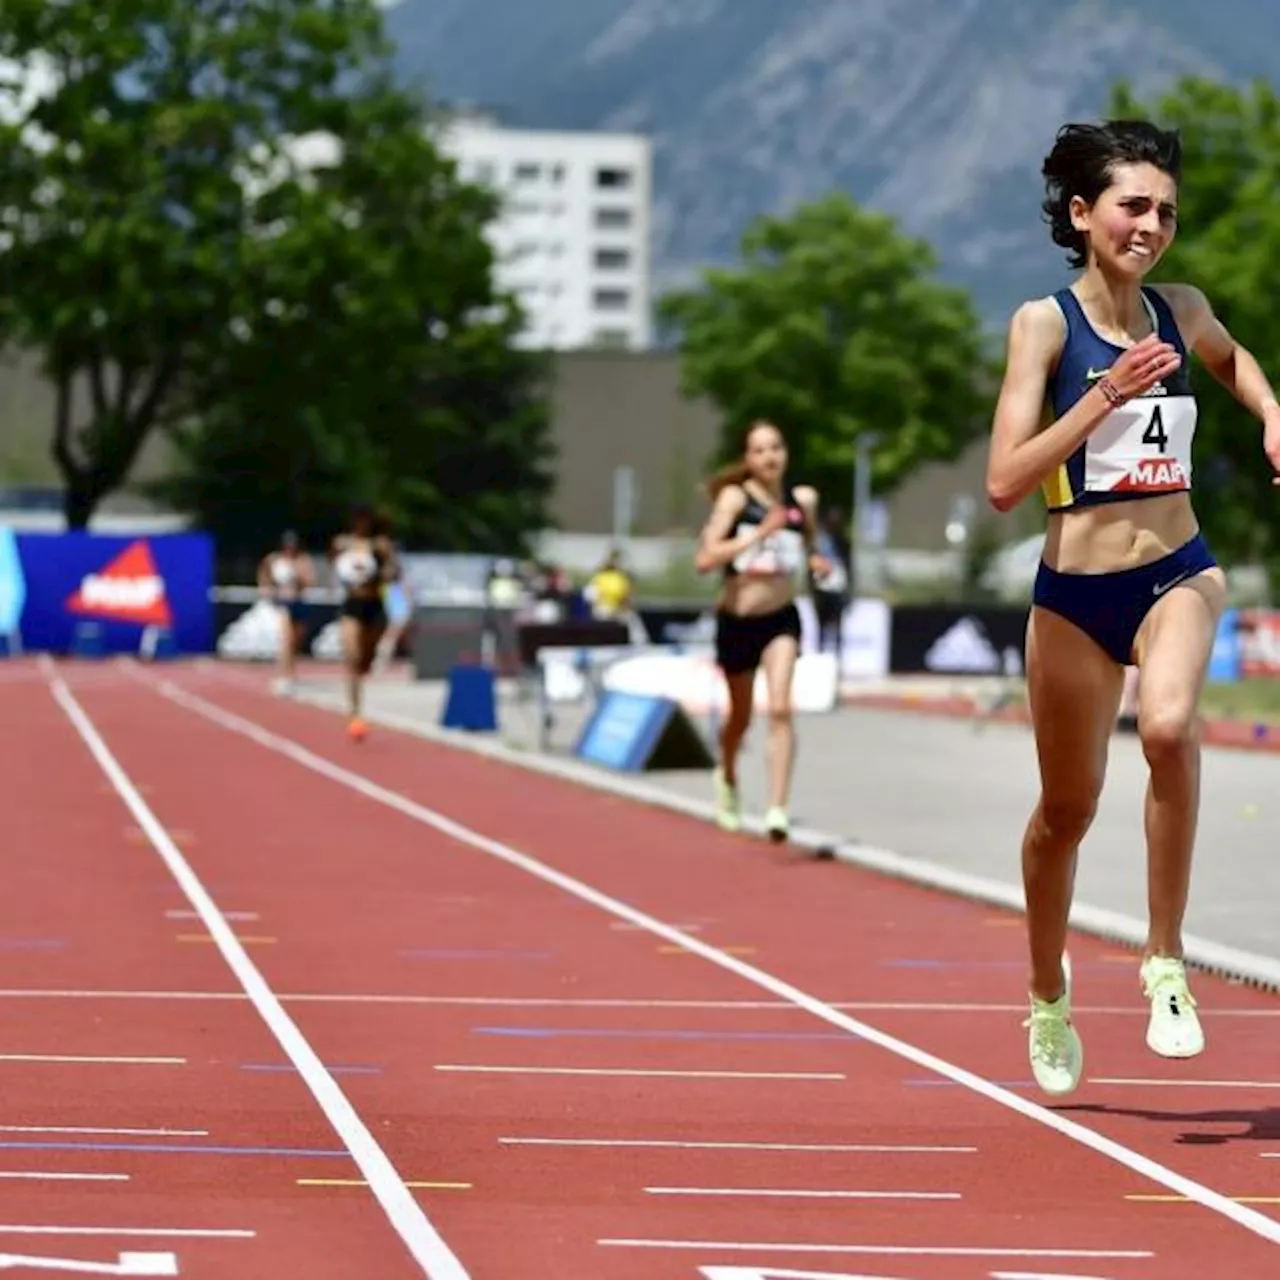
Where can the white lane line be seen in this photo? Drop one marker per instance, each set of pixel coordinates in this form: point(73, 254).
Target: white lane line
point(250, 916)
point(122, 1133)
point(640, 1071)
point(1187, 1084)
point(781, 1194)
point(849, 1148)
point(32, 993)
point(602, 1002)
point(40, 1176)
point(894, 1250)
point(405, 1214)
point(1252, 1220)
point(97, 1060)
point(175, 1233)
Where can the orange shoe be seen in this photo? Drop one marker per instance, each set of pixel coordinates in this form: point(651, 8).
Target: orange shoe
point(357, 730)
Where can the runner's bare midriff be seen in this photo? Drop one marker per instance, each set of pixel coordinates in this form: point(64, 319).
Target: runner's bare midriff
point(1119, 535)
point(750, 596)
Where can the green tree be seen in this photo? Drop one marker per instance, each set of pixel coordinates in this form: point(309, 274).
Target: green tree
point(834, 328)
point(131, 132)
point(1228, 244)
point(372, 361)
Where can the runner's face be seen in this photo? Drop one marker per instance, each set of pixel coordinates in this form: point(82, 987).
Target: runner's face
point(1132, 222)
point(766, 453)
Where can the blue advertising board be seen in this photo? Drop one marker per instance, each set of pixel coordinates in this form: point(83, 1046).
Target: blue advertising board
point(1225, 662)
point(116, 587)
point(624, 731)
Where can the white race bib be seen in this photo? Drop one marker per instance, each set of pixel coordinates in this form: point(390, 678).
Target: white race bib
point(782, 553)
point(1144, 446)
point(355, 567)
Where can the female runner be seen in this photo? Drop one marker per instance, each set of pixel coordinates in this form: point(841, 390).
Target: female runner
point(761, 534)
point(283, 575)
point(364, 560)
point(1126, 576)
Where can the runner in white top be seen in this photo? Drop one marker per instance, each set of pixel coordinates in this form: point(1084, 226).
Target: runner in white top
point(283, 577)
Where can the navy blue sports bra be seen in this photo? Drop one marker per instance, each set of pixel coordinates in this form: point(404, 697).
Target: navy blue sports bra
point(1143, 448)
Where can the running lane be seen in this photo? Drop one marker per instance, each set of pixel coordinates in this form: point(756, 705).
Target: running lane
point(644, 1139)
point(128, 1122)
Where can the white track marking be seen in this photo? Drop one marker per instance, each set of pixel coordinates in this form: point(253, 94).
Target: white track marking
point(92, 1060)
point(166, 1233)
point(121, 1133)
point(1266, 1227)
point(841, 1147)
point(639, 1071)
point(34, 1175)
point(602, 1002)
point(891, 1250)
point(768, 1273)
point(405, 1214)
point(1186, 1084)
point(789, 1194)
point(127, 1264)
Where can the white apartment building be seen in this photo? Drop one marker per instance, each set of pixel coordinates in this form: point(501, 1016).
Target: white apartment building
point(572, 240)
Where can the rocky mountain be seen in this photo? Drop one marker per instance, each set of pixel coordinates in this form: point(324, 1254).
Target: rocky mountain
point(935, 111)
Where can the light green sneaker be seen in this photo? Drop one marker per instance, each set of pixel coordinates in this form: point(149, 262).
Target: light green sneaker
point(1174, 1030)
point(728, 812)
point(777, 824)
point(1054, 1045)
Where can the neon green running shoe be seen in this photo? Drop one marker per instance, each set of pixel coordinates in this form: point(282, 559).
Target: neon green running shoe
point(1174, 1030)
point(1054, 1045)
point(728, 813)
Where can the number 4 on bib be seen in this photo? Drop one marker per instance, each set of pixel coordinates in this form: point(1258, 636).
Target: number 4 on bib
point(1155, 432)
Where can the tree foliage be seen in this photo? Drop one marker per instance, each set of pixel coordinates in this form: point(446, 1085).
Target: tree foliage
point(1228, 244)
point(224, 222)
point(834, 328)
point(373, 363)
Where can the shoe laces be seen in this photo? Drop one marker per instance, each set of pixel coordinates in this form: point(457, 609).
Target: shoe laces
point(1166, 982)
point(1051, 1041)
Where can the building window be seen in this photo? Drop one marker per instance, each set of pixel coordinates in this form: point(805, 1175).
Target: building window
point(613, 259)
point(528, 172)
point(613, 219)
point(612, 299)
point(557, 174)
point(615, 179)
point(485, 172)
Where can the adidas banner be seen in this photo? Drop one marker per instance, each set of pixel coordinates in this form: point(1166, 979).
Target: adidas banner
point(106, 593)
point(947, 640)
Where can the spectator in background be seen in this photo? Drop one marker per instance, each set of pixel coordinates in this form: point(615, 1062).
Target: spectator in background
point(833, 592)
point(397, 602)
point(609, 591)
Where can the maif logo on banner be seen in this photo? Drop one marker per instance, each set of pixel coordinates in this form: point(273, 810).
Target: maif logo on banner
point(127, 589)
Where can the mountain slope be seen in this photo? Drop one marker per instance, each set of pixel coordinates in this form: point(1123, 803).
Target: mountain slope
point(935, 111)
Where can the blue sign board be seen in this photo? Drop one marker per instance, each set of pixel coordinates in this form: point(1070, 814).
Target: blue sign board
point(63, 586)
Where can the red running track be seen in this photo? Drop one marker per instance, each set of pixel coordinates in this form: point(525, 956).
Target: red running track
point(482, 1046)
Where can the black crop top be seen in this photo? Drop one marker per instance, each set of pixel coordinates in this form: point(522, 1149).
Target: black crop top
point(784, 552)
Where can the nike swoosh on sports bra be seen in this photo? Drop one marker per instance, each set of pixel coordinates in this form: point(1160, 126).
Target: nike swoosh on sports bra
point(1141, 449)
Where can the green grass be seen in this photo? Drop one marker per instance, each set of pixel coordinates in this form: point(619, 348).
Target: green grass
point(1254, 698)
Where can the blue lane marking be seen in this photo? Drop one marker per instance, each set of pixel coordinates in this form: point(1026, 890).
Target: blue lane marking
point(285, 1066)
point(459, 953)
point(548, 1033)
point(153, 1147)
